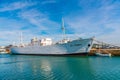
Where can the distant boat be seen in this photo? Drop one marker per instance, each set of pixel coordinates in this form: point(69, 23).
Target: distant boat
point(3, 52)
point(101, 54)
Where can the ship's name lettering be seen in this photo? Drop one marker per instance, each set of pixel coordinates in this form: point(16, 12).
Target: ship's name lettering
point(75, 45)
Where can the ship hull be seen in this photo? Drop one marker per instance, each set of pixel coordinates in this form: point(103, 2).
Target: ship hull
point(72, 54)
point(75, 47)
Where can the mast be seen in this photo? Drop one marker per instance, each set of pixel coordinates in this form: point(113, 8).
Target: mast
point(21, 38)
point(63, 29)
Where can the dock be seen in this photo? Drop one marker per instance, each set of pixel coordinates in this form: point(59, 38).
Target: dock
point(104, 48)
point(114, 52)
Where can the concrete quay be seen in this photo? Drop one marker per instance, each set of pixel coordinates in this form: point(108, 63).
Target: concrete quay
point(114, 52)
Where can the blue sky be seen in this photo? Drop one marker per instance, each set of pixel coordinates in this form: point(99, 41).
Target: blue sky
point(39, 18)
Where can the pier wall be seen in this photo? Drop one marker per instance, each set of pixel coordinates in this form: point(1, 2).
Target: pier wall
point(114, 52)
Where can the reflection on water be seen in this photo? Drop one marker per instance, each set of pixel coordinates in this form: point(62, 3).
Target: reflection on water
point(25, 67)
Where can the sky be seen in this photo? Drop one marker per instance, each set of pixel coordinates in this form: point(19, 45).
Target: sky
point(43, 18)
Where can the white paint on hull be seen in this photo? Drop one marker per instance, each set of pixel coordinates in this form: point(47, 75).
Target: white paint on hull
point(73, 47)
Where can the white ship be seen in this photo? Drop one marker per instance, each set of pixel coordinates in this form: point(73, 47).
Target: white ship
point(46, 46)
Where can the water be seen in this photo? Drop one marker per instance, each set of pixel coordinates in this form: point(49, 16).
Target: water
point(23, 67)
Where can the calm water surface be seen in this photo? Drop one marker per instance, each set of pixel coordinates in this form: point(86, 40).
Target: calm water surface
point(23, 67)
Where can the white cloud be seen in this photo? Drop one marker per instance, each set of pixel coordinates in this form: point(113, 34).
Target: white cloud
point(96, 22)
point(10, 36)
point(33, 16)
point(15, 6)
point(10, 24)
point(100, 22)
point(10, 28)
point(39, 20)
point(48, 2)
